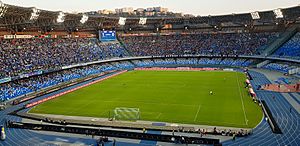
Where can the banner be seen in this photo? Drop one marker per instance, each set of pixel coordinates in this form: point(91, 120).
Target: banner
point(30, 74)
point(18, 36)
point(294, 71)
point(168, 26)
point(4, 80)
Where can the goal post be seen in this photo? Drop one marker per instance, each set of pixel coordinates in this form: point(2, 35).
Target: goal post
point(124, 113)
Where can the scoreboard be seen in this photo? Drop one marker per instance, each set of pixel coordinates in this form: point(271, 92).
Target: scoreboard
point(107, 35)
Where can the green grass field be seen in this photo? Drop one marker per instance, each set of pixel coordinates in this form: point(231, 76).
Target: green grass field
point(165, 96)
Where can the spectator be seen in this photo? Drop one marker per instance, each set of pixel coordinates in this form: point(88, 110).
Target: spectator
point(198, 43)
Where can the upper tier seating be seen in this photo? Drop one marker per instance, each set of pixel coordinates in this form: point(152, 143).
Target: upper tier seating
point(18, 56)
point(215, 44)
point(291, 49)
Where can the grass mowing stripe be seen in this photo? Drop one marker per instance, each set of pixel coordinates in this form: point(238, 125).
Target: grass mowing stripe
point(146, 102)
point(164, 96)
point(241, 97)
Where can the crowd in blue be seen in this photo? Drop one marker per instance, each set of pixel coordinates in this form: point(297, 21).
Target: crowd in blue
point(291, 49)
point(199, 43)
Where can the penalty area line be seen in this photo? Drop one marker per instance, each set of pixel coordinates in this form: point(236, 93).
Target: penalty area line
point(197, 113)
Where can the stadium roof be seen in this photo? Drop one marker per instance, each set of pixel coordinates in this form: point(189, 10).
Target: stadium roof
point(16, 18)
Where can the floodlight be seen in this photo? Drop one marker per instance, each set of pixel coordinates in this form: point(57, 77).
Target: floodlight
point(35, 14)
point(60, 17)
point(84, 18)
point(122, 21)
point(278, 13)
point(255, 15)
point(143, 21)
point(3, 9)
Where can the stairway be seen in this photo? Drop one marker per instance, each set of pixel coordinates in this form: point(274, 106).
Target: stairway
point(123, 45)
point(277, 43)
point(261, 64)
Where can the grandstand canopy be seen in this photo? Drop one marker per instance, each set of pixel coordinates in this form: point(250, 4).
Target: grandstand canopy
point(14, 18)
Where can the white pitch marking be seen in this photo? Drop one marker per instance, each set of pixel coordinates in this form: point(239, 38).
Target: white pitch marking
point(158, 115)
point(197, 113)
point(237, 80)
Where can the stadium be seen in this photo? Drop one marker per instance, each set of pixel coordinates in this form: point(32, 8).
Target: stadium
point(150, 77)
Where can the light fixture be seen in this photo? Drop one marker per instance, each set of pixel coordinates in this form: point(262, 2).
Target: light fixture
point(84, 18)
point(143, 21)
point(3, 9)
point(278, 13)
point(255, 15)
point(60, 17)
point(35, 14)
point(122, 21)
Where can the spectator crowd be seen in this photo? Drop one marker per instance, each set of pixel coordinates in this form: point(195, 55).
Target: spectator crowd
point(24, 86)
point(19, 56)
point(204, 43)
point(291, 49)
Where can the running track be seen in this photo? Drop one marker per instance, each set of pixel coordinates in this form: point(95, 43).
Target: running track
point(289, 122)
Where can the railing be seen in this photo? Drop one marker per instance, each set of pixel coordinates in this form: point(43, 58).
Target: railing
point(113, 133)
point(275, 128)
point(259, 65)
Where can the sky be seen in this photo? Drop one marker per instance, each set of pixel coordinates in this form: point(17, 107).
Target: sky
point(195, 7)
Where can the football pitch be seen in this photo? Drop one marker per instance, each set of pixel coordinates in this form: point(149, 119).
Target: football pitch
point(165, 96)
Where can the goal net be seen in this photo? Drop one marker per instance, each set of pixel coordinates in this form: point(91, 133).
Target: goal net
point(123, 113)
